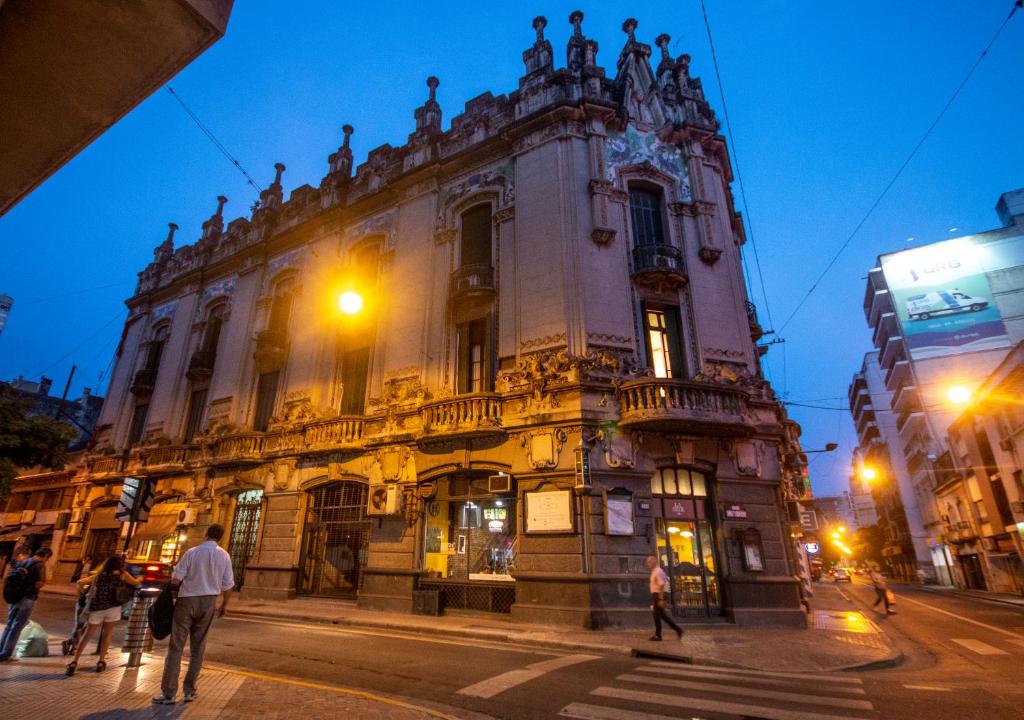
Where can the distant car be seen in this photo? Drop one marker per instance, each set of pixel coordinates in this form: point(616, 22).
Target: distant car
point(153, 574)
point(842, 575)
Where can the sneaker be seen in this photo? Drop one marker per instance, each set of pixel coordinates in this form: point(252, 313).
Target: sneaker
point(679, 632)
point(654, 638)
point(10, 660)
point(162, 699)
point(189, 696)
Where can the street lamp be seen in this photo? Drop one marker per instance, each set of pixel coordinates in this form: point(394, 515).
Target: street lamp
point(958, 394)
point(829, 447)
point(350, 302)
point(868, 473)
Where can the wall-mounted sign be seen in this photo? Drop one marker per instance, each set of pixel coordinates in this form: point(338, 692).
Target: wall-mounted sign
point(812, 547)
point(618, 513)
point(735, 511)
point(549, 512)
point(753, 550)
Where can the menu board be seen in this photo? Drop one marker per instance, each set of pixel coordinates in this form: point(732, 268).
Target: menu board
point(549, 512)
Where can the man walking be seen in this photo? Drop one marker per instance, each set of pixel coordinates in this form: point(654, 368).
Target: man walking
point(203, 573)
point(881, 589)
point(19, 611)
point(659, 591)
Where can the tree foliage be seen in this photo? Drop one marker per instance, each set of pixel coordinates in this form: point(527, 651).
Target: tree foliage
point(28, 440)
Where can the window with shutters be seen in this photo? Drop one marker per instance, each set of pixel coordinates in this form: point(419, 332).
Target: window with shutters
point(664, 344)
point(266, 396)
point(475, 356)
point(645, 211)
point(138, 423)
point(194, 417)
point(355, 366)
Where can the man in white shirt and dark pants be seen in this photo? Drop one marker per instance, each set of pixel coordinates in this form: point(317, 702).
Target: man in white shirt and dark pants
point(203, 573)
point(659, 593)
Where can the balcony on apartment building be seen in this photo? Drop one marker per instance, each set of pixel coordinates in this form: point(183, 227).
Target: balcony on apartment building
point(476, 280)
point(876, 297)
point(864, 419)
point(887, 328)
point(672, 405)
point(200, 366)
point(960, 532)
point(899, 374)
point(658, 265)
point(143, 382)
point(895, 349)
point(756, 330)
point(160, 458)
point(464, 416)
point(271, 349)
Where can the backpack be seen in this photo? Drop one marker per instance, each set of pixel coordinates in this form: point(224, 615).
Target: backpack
point(17, 584)
point(161, 614)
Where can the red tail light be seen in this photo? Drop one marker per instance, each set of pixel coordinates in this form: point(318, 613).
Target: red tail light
point(152, 568)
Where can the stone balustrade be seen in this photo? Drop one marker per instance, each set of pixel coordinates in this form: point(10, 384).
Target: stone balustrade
point(163, 456)
point(249, 446)
point(473, 414)
point(680, 405)
point(345, 430)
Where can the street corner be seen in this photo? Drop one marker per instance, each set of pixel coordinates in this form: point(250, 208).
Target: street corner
point(224, 694)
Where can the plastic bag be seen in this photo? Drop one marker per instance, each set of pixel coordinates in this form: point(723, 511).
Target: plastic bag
point(33, 641)
point(890, 596)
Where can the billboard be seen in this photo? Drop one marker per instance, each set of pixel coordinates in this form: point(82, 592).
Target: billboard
point(943, 299)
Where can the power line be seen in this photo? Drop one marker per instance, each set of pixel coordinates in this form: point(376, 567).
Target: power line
point(69, 294)
point(1017, 5)
point(213, 138)
point(83, 343)
point(736, 162)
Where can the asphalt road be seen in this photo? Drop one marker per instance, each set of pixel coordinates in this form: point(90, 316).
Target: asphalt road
point(963, 659)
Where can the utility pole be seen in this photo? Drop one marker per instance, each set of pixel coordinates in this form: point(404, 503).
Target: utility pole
point(64, 397)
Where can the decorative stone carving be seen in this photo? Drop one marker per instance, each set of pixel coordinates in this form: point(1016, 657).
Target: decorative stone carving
point(297, 411)
point(619, 450)
point(709, 254)
point(602, 235)
point(746, 457)
point(543, 447)
point(390, 465)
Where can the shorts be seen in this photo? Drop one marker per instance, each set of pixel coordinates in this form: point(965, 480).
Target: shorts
point(109, 615)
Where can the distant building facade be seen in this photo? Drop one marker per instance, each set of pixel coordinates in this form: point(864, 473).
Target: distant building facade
point(943, 317)
point(860, 495)
point(553, 376)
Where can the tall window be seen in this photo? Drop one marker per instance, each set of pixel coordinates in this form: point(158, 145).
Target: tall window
point(476, 237)
point(138, 424)
point(355, 365)
point(664, 346)
point(214, 325)
point(281, 309)
point(156, 347)
point(475, 357)
point(645, 215)
point(196, 408)
point(266, 395)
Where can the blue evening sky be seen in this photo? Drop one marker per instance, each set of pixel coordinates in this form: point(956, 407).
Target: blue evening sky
point(826, 100)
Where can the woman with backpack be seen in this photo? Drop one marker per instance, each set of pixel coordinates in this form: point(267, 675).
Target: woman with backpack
point(109, 589)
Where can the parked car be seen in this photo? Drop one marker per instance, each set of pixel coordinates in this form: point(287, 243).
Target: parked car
point(153, 574)
point(841, 575)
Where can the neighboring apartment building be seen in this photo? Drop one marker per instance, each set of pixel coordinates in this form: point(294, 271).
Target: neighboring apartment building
point(899, 515)
point(862, 502)
point(943, 316)
point(553, 375)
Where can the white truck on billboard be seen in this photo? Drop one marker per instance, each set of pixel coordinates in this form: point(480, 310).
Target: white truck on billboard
point(943, 302)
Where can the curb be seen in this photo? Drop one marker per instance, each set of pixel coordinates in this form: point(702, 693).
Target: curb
point(1001, 601)
point(497, 635)
point(894, 658)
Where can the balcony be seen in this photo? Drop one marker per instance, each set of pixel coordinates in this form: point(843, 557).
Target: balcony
point(756, 331)
point(887, 327)
point(143, 382)
point(898, 375)
point(472, 281)
point(960, 532)
point(329, 434)
point(271, 349)
point(659, 266)
point(105, 465)
point(473, 415)
point(200, 366)
point(682, 406)
point(239, 449)
point(164, 458)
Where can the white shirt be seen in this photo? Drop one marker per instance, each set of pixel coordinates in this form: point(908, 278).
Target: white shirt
point(659, 580)
point(204, 570)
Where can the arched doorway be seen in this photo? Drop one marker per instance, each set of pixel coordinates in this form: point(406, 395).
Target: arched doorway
point(335, 539)
point(245, 526)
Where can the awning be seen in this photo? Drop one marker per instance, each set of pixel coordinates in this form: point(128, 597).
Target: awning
point(29, 530)
point(157, 528)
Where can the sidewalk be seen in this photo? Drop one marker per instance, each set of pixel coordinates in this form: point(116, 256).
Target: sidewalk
point(999, 597)
point(839, 637)
point(37, 687)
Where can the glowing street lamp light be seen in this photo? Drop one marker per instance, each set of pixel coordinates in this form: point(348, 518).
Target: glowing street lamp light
point(958, 394)
point(350, 302)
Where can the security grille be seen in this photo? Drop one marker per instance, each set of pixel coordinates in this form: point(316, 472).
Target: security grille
point(244, 529)
point(475, 596)
point(335, 540)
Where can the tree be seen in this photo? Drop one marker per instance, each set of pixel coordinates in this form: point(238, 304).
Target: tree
point(868, 543)
point(28, 440)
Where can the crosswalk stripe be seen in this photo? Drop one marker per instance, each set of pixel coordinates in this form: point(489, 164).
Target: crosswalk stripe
point(583, 711)
point(759, 711)
point(751, 692)
point(727, 677)
point(500, 683)
point(930, 688)
point(763, 673)
point(978, 646)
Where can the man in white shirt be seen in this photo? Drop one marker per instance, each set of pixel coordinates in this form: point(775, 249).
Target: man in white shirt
point(659, 592)
point(203, 573)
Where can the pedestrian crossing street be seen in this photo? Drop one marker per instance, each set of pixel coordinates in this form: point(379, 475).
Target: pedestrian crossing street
point(663, 690)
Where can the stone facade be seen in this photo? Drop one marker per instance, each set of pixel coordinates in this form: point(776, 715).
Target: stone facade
point(555, 346)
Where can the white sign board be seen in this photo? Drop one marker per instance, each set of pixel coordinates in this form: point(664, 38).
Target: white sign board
point(619, 514)
point(549, 512)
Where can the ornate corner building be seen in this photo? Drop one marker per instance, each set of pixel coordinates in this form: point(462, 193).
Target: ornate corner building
point(553, 374)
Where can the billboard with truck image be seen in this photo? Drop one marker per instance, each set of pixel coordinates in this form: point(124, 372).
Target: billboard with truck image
point(942, 297)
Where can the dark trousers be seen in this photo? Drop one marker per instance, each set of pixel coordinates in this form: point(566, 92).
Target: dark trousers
point(660, 614)
point(192, 619)
point(883, 597)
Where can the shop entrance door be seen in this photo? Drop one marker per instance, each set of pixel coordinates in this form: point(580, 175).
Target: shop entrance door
point(973, 575)
point(102, 544)
point(335, 540)
point(244, 529)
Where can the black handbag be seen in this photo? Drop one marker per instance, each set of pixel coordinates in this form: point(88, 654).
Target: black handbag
point(123, 592)
point(161, 614)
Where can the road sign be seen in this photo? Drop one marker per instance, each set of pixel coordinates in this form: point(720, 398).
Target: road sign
point(136, 500)
point(812, 547)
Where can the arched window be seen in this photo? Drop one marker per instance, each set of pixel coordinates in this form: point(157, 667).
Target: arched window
point(281, 309)
point(214, 326)
point(156, 347)
point(476, 237)
point(645, 211)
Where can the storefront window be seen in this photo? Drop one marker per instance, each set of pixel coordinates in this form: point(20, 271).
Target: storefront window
point(685, 539)
point(470, 534)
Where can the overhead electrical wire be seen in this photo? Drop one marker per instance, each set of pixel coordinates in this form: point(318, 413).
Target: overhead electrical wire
point(736, 162)
point(69, 294)
point(885, 191)
point(73, 350)
point(213, 139)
